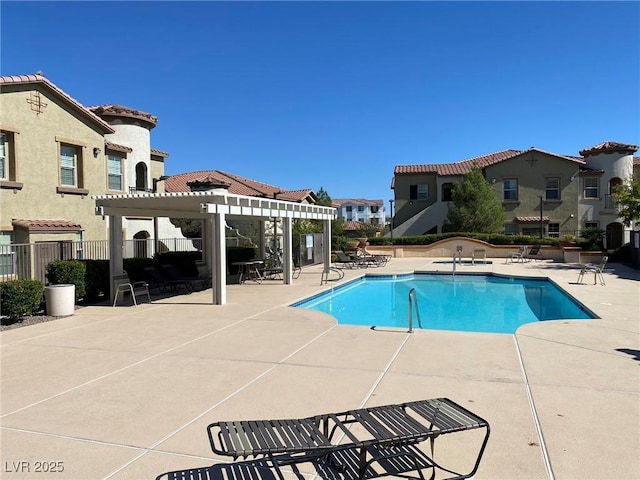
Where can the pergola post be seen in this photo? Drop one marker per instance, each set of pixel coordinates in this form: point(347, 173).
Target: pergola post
point(326, 240)
point(262, 238)
point(287, 256)
point(116, 266)
point(219, 254)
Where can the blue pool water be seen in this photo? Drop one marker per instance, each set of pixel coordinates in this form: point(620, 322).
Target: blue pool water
point(473, 303)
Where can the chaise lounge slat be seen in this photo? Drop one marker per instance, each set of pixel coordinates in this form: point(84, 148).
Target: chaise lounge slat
point(384, 435)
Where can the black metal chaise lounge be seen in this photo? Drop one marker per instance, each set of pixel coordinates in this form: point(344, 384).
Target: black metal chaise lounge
point(386, 437)
point(534, 253)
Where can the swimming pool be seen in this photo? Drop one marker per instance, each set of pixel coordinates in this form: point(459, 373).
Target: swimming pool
point(473, 303)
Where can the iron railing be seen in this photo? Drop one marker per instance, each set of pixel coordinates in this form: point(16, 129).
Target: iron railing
point(29, 260)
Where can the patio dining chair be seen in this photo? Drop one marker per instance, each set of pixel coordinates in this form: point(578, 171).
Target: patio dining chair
point(517, 256)
point(123, 285)
point(596, 269)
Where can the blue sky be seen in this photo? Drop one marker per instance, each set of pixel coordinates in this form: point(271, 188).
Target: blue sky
point(336, 94)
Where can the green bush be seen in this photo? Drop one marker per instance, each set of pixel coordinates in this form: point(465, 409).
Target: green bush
point(19, 298)
point(184, 262)
point(492, 238)
point(67, 272)
point(135, 268)
point(239, 254)
point(96, 278)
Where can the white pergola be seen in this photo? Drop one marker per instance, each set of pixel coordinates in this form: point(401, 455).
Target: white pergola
point(213, 207)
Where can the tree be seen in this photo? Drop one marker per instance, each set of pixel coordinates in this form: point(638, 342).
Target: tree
point(323, 198)
point(628, 196)
point(475, 206)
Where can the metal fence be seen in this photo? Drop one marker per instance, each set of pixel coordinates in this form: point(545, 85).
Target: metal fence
point(30, 260)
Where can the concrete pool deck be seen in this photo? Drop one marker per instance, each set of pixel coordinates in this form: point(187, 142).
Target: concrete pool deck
point(127, 392)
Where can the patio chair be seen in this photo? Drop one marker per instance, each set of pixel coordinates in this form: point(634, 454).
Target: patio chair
point(517, 256)
point(534, 253)
point(172, 274)
point(354, 440)
point(158, 280)
point(594, 268)
point(349, 261)
point(372, 258)
point(479, 255)
point(253, 470)
point(123, 285)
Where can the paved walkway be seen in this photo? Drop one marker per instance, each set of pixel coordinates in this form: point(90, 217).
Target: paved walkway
point(127, 392)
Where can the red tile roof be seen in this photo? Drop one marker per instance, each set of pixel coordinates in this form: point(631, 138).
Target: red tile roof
point(636, 160)
point(118, 148)
point(531, 219)
point(210, 181)
point(609, 147)
point(47, 225)
point(39, 78)
point(458, 168)
point(238, 185)
point(159, 153)
point(110, 111)
point(464, 166)
point(352, 225)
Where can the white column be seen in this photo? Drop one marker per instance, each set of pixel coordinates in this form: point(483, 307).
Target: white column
point(287, 255)
point(219, 253)
point(262, 238)
point(326, 245)
point(115, 251)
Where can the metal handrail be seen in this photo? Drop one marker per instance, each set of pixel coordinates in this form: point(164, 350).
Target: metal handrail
point(415, 297)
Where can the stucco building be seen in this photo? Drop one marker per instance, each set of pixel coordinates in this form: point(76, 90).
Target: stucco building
point(55, 154)
point(557, 193)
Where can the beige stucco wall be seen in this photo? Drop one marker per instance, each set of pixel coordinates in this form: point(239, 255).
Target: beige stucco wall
point(37, 161)
point(404, 207)
point(157, 170)
point(531, 184)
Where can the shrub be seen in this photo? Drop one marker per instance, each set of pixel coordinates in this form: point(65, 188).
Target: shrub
point(184, 262)
point(239, 254)
point(96, 278)
point(67, 272)
point(492, 238)
point(20, 297)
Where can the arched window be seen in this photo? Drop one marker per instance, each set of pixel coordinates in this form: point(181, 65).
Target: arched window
point(609, 200)
point(140, 241)
point(141, 177)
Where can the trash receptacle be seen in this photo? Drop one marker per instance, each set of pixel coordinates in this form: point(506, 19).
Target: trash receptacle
point(60, 299)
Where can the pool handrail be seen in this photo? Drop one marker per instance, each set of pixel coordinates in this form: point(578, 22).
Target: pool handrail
point(415, 297)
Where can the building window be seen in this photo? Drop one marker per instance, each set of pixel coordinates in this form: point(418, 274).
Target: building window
point(7, 256)
point(419, 192)
point(588, 225)
point(349, 208)
point(7, 156)
point(374, 209)
point(591, 187)
point(70, 166)
point(553, 230)
point(4, 159)
point(510, 229)
point(447, 192)
point(510, 189)
point(114, 172)
point(361, 208)
point(79, 245)
point(552, 188)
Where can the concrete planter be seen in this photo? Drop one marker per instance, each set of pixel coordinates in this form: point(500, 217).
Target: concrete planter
point(572, 254)
point(60, 299)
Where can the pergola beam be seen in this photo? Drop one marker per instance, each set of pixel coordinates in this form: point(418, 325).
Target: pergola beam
point(213, 206)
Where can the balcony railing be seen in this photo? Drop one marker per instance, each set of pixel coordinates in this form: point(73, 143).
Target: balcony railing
point(134, 190)
point(610, 203)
